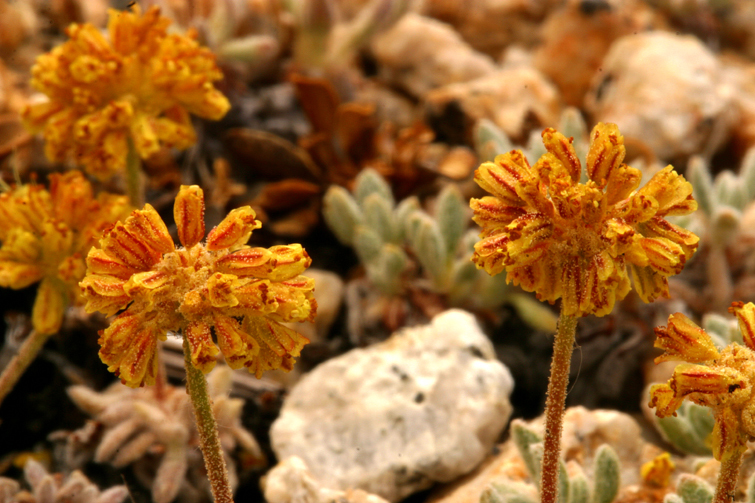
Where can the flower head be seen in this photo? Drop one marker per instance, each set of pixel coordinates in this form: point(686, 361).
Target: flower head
point(579, 241)
point(46, 235)
point(141, 85)
point(241, 294)
point(722, 380)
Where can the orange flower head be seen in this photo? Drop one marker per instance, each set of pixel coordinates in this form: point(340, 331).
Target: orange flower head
point(222, 286)
point(46, 235)
point(140, 86)
point(579, 241)
point(722, 380)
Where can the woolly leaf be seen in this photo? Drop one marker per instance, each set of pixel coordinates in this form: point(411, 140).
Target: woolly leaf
point(532, 312)
point(679, 431)
point(403, 214)
point(378, 215)
point(579, 490)
point(370, 182)
point(427, 243)
point(342, 214)
point(693, 489)
point(747, 173)
point(730, 190)
point(498, 492)
point(490, 140)
point(367, 244)
point(698, 175)
point(391, 265)
point(725, 225)
point(607, 475)
point(450, 212)
point(524, 438)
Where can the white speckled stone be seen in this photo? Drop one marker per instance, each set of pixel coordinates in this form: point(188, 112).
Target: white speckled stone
point(291, 482)
point(665, 90)
point(419, 54)
point(426, 405)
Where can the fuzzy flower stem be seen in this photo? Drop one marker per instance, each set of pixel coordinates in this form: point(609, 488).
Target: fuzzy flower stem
point(217, 472)
point(554, 406)
point(726, 487)
point(21, 361)
point(133, 177)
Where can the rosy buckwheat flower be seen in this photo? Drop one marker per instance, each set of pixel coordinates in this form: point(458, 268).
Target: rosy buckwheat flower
point(580, 241)
point(140, 86)
point(241, 294)
point(45, 236)
point(722, 380)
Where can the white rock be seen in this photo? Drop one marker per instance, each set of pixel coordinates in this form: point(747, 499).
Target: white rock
point(512, 98)
point(665, 90)
point(426, 405)
point(420, 53)
point(291, 482)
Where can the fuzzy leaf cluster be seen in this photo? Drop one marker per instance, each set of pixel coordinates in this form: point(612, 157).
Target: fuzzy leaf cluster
point(574, 486)
point(385, 235)
point(721, 201)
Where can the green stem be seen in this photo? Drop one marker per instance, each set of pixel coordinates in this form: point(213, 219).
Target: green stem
point(133, 176)
point(21, 361)
point(726, 487)
point(555, 405)
point(196, 387)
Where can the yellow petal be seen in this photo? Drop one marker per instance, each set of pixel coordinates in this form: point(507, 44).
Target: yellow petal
point(683, 340)
point(649, 284)
point(562, 149)
point(238, 347)
point(220, 289)
point(672, 192)
point(664, 400)
point(18, 275)
point(203, 350)
point(491, 213)
point(745, 313)
point(188, 212)
point(49, 307)
point(100, 262)
point(276, 264)
point(713, 387)
point(234, 230)
point(278, 344)
point(129, 348)
point(501, 177)
point(606, 154)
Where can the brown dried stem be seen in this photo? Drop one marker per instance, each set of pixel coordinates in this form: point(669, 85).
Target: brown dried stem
point(554, 406)
point(21, 361)
point(217, 472)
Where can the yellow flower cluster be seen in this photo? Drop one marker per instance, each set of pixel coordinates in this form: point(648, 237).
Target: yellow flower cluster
point(140, 86)
point(722, 380)
point(564, 239)
point(46, 235)
point(241, 293)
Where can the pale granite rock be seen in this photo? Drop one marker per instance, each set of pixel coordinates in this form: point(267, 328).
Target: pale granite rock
point(514, 98)
point(419, 54)
point(665, 90)
point(291, 482)
point(426, 405)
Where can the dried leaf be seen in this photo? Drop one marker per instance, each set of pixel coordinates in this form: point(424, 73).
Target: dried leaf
point(286, 194)
point(269, 156)
point(319, 100)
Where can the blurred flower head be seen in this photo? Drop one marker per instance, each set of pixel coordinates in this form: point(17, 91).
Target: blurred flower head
point(45, 236)
point(722, 380)
point(241, 293)
point(140, 86)
point(580, 241)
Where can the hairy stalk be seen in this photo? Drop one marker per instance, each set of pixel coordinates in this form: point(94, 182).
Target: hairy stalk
point(133, 176)
point(554, 406)
point(21, 361)
point(726, 487)
point(217, 472)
